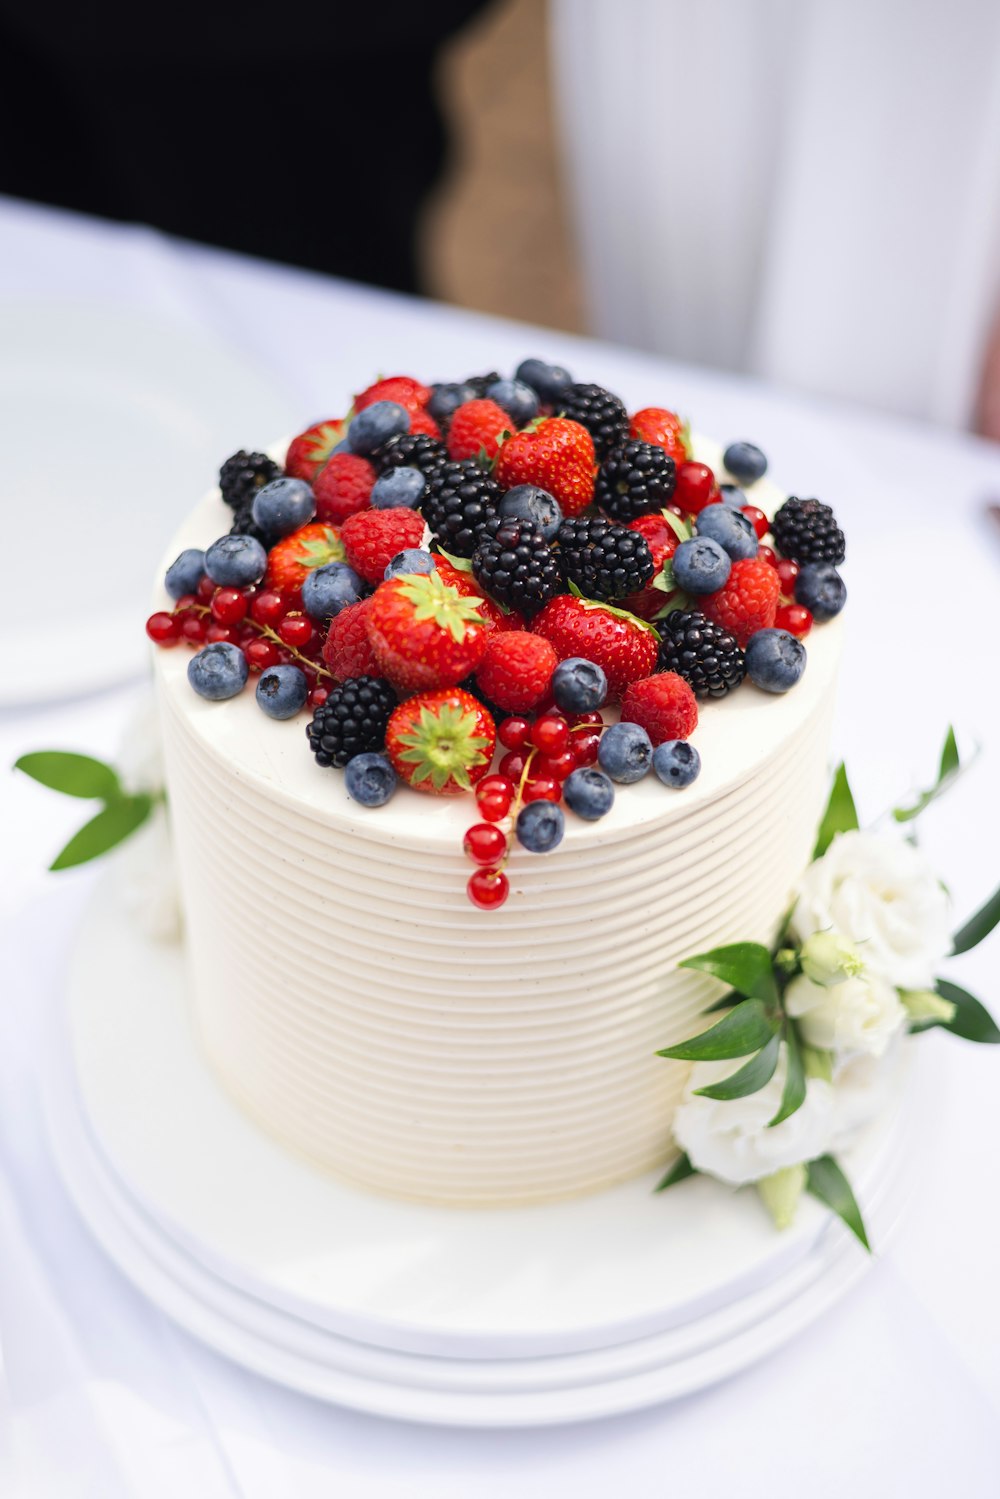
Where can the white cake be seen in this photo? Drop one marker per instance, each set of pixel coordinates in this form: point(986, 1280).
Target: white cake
point(366, 1015)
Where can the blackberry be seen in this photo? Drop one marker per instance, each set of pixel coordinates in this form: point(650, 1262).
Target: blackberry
point(352, 720)
point(605, 561)
point(635, 480)
point(460, 498)
point(807, 531)
point(481, 383)
point(603, 415)
point(410, 450)
point(516, 565)
point(704, 654)
point(245, 525)
point(243, 474)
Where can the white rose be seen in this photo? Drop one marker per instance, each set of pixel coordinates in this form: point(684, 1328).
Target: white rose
point(859, 1014)
point(862, 1087)
point(880, 893)
point(731, 1140)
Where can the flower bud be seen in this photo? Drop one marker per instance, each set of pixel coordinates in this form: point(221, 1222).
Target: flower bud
point(924, 1004)
point(780, 1193)
point(829, 959)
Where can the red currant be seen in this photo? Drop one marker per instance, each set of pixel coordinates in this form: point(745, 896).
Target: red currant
point(488, 888)
point(270, 606)
point(694, 487)
point(787, 571)
point(593, 719)
point(217, 632)
point(206, 588)
point(193, 629)
point(494, 795)
point(794, 618)
point(541, 789)
point(187, 601)
point(757, 519)
point(318, 696)
point(260, 654)
point(550, 734)
point(484, 843)
point(557, 767)
point(512, 765)
point(513, 733)
point(585, 747)
point(296, 630)
point(229, 606)
point(768, 555)
point(164, 628)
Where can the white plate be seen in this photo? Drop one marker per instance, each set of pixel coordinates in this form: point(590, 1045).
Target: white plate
point(111, 424)
point(512, 1317)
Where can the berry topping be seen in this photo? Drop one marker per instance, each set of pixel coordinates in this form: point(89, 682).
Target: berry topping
point(370, 779)
point(664, 428)
point(308, 452)
point(375, 425)
point(662, 539)
point(579, 686)
point(528, 502)
point(235, 561)
point(626, 752)
point(695, 487)
point(540, 826)
point(218, 672)
point(283, 506)
point(460, 498)
point(748, 601)
point(411, 450)
point(441, 742)
point(282, 691)
point(555, 454)
point(701, 565)
point(517, 566)
point(602, 413)
point(476, 430)
point(745, 462)
point(730, 528)
point(424, 632)
point(347, 650)
point(664, 705)
point(488, 888)
point(163, 628)
point(704, 654)
point(373, 537)
point(795, 619)
point(185, 573)
point(787, 571)
point(807, 531)
point(411, 560)
point(589, 793)
point(327, 590)
point(484, 843)
point(518, 400)
point(399, 488)
point(604, 560)
point(635, 479)
point(516, 671)
point(775, 660)
point(290, 562)
point(343, 487)
point(242, 475)
point(352, 721)
point(624, 647)
point(820, 589)
point(402, 389)
point(550, 381)
point(757, 519)
point(677, 763)
point(494, 796)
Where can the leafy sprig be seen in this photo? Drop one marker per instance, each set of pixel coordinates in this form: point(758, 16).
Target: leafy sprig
point(82, 776)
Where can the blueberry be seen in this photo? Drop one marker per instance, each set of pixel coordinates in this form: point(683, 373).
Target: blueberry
point(370, 779)
point(446, 399)
point(549, 380)
point(588, 792)
point(540, 826)
point(578, 685)
point(398, 489)
point(625, 752)
point(219, 671)
point(281, 507)
point(528, 502)
point(520, 401)
point(677, 763)
point(184, 575)
point(775, 660)
point(282, 691)
point(375, 425)
point(732, 494)
point(745, 462)
point(235, 561)
point(821, 589)
point(730, 528)
point(328, 589)
point(410, 560)
point(701, 565)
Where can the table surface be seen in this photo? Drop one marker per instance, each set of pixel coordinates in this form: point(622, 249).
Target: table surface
point(899, 1387)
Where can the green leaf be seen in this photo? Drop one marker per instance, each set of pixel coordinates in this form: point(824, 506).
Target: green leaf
point(971, 1020)
point(110, 827)
point(826, 1181)
point(979, 926)
point(948, 770)
point(750, 1078)
point(679, 1171)
point(745, 965)
point(74, 775)
point(725, 1003)
point(794, 1095)
point(841, 814)
point(676, 601)
point(664, 581)
point(460, 564)
point(744, 1030)
point(682, 529)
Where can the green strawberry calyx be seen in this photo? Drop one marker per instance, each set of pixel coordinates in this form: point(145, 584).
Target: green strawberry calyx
point(440, 602)
point(320, 550)
point(443, 745)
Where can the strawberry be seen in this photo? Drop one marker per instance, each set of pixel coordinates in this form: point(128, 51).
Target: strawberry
point(441, 742)
point(662, 540)
point(373, 537)
point(308, 452)
point(402, 389)
point(663, 705)
point(557, 455)
point(477, 427)
point(294, 556)
point(665, 428)
point(424, 633)
point(624, 646)
point(343, 486)
point(516, 670)
point(347, 650)
point(493, 616)
point(748, 601)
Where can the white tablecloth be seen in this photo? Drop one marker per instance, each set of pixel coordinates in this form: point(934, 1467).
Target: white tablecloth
point(898, 1389)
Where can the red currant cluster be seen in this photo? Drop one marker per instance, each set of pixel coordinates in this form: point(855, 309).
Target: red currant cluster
point(268, 624)
point(540, 754)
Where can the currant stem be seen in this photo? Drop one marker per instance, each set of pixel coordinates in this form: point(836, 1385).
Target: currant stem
point(268, 634)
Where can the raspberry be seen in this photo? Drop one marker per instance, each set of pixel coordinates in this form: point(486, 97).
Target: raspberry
point(477, 427)
point(663, 705)
point(372, 538)
point(347, 650)
point(516, 671)
point(342, 487)
point(748, 602)
point(422, 424)
point(402, 389)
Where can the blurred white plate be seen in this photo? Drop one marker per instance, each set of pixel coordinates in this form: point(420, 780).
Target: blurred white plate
point(112, 424)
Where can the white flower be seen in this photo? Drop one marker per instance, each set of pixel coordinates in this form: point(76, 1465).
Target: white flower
point(730, 1138)
point(147, 878)
point(859, 1014)
point(139, 761)
point(862, 1086)
point(880, 893)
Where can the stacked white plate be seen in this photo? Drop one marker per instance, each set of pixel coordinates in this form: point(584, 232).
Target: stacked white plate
point(482, 1317)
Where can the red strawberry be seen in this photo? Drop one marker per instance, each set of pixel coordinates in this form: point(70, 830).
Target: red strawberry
point(557, 455)
point(292, 558)
point(343, 486)
point(441, 742)
point(662, 539)
point(493, 616)
point(749, 600)
point(663, 705)
point(624, 646)
point(477, 427)
point(424, 633)
point(347, 650)
point(308, 452)
point(402, 389)
point(665, 428)
point(373, 537)
point(422, 421)
point(516, 670)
